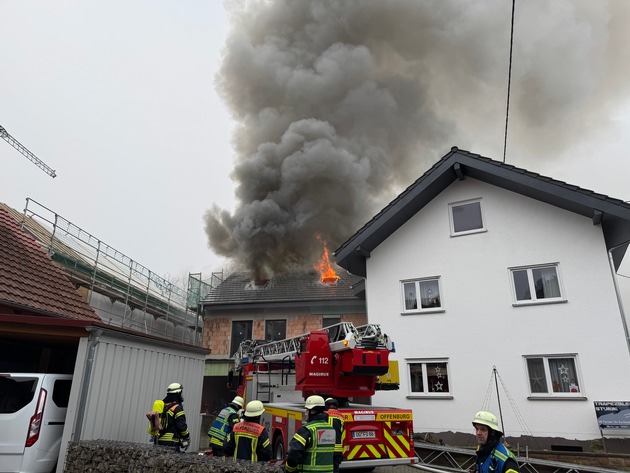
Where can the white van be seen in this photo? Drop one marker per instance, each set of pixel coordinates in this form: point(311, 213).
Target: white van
point(32, 415)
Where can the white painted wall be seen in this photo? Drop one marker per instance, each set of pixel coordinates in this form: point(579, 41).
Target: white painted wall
point(480, 328)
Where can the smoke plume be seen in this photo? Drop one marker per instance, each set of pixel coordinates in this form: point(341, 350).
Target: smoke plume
point(340, 104)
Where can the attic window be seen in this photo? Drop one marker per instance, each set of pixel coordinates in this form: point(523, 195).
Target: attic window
point(466, 217)
point(257, 284)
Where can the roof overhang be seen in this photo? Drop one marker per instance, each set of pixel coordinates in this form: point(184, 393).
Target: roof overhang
point(348, 305)
point(612, 214)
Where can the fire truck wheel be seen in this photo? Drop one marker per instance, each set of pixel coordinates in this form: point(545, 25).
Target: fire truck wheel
point(278, 448)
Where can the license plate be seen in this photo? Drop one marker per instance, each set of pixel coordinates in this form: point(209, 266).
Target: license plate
point(364, 434)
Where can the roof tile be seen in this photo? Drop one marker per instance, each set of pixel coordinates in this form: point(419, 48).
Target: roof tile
point(29, 279)
point(240, 288)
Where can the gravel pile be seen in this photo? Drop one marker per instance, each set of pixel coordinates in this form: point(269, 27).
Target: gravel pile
point(109, 456)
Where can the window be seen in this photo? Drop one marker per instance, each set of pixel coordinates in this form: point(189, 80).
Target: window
point(61, 392)
point(275, 330)
point(328, 320)
point(421, 295)
point(466, 218)
point(536, 284)
point(428, 377)
point(555, 375)
point(241, 330)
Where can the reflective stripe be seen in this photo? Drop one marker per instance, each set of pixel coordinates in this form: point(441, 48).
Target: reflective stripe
point(319, 456)
point(220, 427)
point(300, 439)
point(496, 460)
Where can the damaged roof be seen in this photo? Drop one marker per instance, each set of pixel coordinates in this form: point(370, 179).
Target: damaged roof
point(30, 282)
point(612, 214)
point(290, 289)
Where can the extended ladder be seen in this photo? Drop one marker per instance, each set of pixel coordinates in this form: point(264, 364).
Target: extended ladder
point(342, 336)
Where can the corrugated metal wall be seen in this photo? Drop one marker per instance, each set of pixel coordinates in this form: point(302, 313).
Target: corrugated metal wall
point(119, 375)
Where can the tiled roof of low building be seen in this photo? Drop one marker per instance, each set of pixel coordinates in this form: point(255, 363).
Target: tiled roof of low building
point(240, 288)
point(29, 279)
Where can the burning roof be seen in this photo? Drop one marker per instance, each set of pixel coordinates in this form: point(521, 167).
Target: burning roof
point(290, 287)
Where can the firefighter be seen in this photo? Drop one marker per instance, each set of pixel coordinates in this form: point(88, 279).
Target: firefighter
point(492, 455)
point(249, 440)
point(312, 447)
point(335, 418)
point(223, 425)
point(174, 432)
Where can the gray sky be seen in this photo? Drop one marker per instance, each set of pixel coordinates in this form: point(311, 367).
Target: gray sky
point(119, 98)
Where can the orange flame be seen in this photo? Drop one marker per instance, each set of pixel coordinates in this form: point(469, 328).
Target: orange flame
point(326, 271)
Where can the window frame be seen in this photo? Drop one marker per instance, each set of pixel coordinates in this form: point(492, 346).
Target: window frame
point(426, 394)
point(550, 394)
point(329, 320)
point(250, 326)
point(417, 282)
point(460, 204)
point(532, 289)
point(275, 321)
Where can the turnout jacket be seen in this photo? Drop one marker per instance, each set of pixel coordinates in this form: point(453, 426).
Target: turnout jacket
point(335, 418)
point(174, 428)
point(223, 425)
point(248, 441)
point(312, 447)
point(494, 457)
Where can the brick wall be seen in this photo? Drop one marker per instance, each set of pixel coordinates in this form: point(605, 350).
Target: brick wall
point(216, 335)
point(217, 331)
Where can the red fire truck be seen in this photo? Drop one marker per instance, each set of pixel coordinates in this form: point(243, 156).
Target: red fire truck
point(340, 361)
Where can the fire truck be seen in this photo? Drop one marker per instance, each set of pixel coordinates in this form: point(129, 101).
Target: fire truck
point(340, 361)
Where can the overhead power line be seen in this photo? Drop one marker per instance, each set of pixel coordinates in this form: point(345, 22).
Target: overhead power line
point(507, 108)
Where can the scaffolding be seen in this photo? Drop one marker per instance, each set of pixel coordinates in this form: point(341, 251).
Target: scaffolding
point(120, 290)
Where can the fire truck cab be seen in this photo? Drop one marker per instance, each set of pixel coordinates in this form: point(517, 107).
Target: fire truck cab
point(340, 361)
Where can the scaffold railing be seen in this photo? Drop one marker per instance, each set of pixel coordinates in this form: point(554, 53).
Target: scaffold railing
point(105, 271)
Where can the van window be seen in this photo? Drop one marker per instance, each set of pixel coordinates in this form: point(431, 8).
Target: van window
point(15, 394)
point(61, 392)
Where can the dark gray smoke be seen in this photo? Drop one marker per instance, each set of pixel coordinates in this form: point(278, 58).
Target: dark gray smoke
point(341, 104)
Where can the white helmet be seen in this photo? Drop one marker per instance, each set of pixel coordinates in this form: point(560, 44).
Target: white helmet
point(238, 400)
point(174, 388)
point(488, 419)
point(254, 409)
point(314, 401)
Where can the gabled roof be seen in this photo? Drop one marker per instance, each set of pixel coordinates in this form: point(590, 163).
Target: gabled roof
point(612, 214)
point(29, 280)
point(290, 289)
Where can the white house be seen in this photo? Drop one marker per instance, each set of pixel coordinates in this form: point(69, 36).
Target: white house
point(479, 264)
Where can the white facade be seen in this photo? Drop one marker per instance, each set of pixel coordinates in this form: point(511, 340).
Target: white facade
point(478, 325)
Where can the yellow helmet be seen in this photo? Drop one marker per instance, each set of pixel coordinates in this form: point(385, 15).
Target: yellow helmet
point(238, 400)
point(313, 401)
point(488, 419)
point(254, 408)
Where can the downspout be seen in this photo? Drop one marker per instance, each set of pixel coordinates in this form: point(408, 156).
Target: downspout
point(94, 339)
point(624, 323)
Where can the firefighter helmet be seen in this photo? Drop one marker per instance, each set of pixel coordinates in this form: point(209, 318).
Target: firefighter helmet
point(488, 419)
point(254, 408)
point(174, 388)
point(238, 400)
point(314, 401)
point(331, 402)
